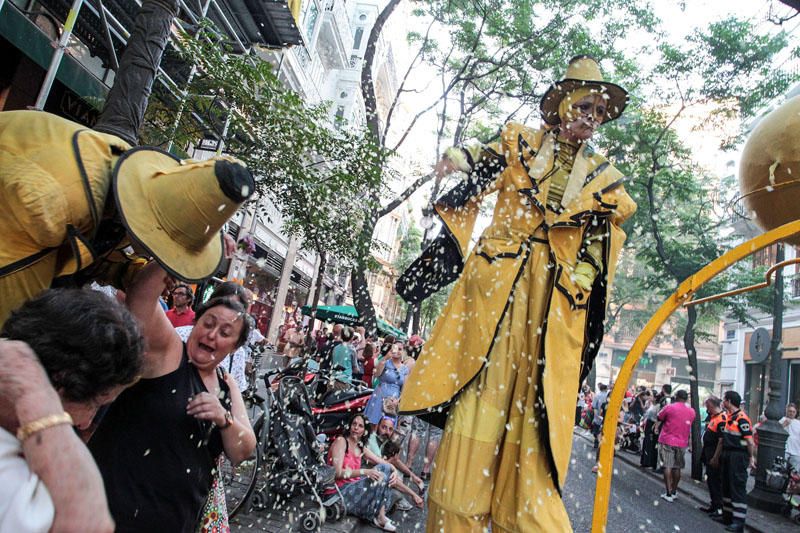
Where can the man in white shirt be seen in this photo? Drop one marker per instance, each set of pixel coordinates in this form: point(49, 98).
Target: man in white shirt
point(792, 426)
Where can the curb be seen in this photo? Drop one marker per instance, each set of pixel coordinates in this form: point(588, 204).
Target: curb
point(752, 524)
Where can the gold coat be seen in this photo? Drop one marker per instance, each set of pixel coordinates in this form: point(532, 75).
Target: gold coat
point(570, 322)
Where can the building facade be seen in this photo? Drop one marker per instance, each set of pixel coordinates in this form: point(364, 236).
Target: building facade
point(741, 371)
point(663, 362)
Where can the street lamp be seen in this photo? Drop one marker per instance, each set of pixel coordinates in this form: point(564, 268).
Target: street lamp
point(771, 435)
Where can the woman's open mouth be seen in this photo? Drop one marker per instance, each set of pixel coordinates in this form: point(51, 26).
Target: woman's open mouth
point(205, 347)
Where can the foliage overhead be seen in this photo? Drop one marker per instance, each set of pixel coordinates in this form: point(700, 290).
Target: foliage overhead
point(316, 174)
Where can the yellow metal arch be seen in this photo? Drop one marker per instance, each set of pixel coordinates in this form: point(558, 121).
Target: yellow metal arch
point(684, 293)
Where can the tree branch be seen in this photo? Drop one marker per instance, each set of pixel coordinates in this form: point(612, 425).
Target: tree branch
point(391, 206)
point(401, 89)
point(367, 83)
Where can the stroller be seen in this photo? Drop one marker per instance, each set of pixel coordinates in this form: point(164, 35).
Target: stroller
point(629, 436)
point(294, 476)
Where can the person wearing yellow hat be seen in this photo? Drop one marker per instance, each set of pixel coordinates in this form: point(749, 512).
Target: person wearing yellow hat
point(74, 199)
point(524, 322)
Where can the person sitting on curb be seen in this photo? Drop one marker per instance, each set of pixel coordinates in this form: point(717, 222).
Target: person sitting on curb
point(380, 443)
point(63, 354)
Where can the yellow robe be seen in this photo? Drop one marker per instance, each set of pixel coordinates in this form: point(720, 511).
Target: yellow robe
point(55, 176)
point(517, 334)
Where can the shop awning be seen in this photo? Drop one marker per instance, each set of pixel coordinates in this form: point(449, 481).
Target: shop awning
point(347, 315)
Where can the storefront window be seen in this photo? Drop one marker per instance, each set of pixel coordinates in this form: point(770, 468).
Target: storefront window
point(755, 381)
point(794, 382)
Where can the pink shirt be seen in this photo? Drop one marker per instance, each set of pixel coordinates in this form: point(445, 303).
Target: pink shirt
point(676, 424)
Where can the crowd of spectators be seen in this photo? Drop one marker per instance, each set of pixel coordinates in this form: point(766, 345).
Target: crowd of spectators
point(657, 426)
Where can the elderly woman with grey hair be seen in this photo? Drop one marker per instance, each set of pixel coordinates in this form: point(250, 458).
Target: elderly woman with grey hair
point(63, 354)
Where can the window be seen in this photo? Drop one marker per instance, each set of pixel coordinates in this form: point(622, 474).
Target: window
point(311, 18)
point(357, 39)
point(765, 257)
point(339, 120)
point(730, 334)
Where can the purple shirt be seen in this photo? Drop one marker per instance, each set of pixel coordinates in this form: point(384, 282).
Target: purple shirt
point(676, 424)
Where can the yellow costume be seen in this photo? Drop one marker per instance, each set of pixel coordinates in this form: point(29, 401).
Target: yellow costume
point(520, 330)
point(56, 178)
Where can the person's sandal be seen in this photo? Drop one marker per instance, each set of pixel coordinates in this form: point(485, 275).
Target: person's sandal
point(387, 526)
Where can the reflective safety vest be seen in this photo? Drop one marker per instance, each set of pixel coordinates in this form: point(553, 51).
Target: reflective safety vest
point(736, 431)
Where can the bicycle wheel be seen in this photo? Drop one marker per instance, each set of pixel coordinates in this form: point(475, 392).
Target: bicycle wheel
point(239, 481)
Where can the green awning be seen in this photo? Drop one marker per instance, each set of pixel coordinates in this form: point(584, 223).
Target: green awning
point(24, 35)
point(347, 315)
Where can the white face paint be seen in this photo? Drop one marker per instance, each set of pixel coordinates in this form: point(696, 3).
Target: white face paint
point(589, 113)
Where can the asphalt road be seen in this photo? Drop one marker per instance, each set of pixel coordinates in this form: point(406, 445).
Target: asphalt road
point(635, 502)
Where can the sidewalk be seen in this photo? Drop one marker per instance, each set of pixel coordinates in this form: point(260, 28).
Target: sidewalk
point(757, 521)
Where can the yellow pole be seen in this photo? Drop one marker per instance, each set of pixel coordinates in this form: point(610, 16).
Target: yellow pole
point(685, 291)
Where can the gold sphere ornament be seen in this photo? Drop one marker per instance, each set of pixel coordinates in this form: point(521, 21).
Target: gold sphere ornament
point(769, 173)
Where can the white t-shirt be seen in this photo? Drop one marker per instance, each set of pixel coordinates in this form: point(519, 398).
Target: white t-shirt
point(25, 503)
point(793, 442)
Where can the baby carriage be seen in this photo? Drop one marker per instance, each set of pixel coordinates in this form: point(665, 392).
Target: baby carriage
point(628, 436)
point(290, 475)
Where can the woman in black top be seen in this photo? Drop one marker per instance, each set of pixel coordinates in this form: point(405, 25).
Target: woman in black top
point(157, 445)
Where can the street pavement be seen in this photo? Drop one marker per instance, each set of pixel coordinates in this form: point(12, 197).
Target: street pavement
point(635, 502)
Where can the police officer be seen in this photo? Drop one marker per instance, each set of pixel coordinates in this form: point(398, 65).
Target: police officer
point(715, 422)
point(735, 451)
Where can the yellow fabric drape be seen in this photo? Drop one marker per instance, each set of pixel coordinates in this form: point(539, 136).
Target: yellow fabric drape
point(495, 433)
point(510, 344)
point(295, 7)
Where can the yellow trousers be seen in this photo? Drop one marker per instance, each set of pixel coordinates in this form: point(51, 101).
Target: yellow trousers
point(492, 465)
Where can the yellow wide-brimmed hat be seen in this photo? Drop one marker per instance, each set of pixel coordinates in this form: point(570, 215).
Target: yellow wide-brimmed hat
point(582, 71)
point(175, 209)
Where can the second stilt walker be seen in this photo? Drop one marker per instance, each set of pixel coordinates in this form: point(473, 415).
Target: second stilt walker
point(525, 319)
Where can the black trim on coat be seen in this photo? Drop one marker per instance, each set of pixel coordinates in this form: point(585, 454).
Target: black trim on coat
point(25, 262)
point(565, 291)
point(72, 236)
point(87, 187)
point(614, 185)
point(440, 264)
point(523, 148)
point(596, 312)
point(437, 415)
point(597, 196)
point(544, 423)
point(596, 172)
point(504, 255)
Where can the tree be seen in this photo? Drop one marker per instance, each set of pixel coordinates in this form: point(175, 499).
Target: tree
point(315, 174)
point(408, 251)
point(679, 226)
point(495, 59)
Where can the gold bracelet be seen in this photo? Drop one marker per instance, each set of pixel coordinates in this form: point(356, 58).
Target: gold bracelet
point(40, 424)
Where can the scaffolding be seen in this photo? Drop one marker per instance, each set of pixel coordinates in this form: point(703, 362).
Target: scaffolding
point(104, 26)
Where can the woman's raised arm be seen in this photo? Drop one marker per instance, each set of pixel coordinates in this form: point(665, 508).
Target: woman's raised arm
point(142, 300)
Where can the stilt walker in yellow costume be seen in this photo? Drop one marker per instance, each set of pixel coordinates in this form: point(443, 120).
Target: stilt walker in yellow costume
point(72, 200)
point(525, 319)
